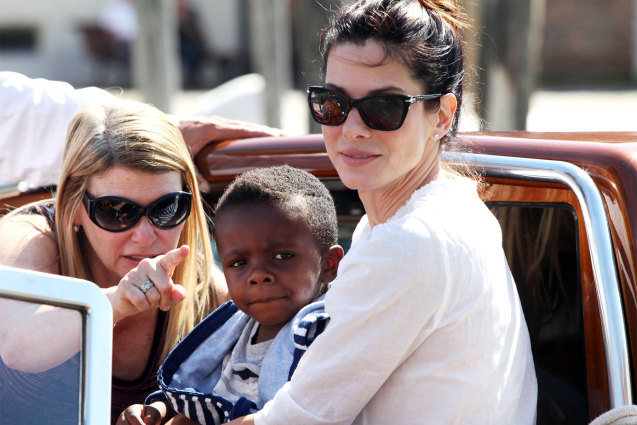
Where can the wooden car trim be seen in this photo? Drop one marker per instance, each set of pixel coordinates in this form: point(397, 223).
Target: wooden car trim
point(599, 244)
point(501, 191)
point(13, 199)
point(611, 161)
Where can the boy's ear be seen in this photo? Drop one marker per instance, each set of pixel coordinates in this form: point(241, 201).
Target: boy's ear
point(333, 257)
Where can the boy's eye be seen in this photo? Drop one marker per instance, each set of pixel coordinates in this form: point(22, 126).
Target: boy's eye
point(283, 256)
point(236, 263)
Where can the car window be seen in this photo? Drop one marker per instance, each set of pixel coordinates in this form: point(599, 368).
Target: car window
point(48, 397)
point(349, 210)
point(73, 391)
point(541, 245)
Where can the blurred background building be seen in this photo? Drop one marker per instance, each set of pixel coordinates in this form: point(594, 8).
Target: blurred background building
point(174, 52)
point(70, 40)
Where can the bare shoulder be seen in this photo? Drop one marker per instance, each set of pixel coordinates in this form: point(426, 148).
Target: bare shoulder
point(28, 242)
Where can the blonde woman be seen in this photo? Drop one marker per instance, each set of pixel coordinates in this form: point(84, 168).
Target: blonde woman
point(127, 216)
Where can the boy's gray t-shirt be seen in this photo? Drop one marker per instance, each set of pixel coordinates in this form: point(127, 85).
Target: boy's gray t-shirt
point(242, 366)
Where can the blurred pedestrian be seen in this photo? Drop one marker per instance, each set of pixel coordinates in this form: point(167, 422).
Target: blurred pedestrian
point(192, 46)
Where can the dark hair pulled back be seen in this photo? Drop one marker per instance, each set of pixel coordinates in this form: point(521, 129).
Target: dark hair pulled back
point(423, 34)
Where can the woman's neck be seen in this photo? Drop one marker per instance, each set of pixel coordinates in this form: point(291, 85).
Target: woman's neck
point(381, 204)
point(97, 272)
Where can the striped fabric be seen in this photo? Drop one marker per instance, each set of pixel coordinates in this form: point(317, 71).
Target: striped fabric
point(193, 368)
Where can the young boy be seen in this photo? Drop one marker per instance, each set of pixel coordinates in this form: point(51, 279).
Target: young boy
point(276, 232)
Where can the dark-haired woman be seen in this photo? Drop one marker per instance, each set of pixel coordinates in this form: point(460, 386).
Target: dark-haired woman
point(426, 326)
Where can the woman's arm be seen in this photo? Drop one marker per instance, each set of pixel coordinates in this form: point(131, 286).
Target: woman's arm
point(201, 131)
point(145, 414)
point(33, 124)
point(381, 308)
point(41, 109)
point(181, 420)
point(36, 337)
point(28, 244)
point(244, 420)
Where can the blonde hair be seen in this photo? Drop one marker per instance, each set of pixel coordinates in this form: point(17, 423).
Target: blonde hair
point(140, 137)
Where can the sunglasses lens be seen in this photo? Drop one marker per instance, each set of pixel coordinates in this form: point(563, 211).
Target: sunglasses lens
point(379, 112)
point(115, 215)
point(118, 214)
point(327, 107)
point(171, 210)
point(385, 112)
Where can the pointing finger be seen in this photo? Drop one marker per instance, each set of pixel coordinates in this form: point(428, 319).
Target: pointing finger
point(178, 293)
point(173, 258)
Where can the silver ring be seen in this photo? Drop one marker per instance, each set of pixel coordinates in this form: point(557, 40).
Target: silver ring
point(144, 287)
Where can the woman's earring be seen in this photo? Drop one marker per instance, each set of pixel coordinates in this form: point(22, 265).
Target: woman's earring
point(76, 228)
point(436, 136)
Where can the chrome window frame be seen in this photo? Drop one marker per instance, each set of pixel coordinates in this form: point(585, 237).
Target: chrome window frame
point(97, 338)
point(600, 246)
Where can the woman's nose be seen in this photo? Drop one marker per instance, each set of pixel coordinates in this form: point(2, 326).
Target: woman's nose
point(354, 127)
point(144, 232)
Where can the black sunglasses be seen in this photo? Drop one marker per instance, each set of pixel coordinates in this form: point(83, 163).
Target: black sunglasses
point(116, 214)
point(385, 112)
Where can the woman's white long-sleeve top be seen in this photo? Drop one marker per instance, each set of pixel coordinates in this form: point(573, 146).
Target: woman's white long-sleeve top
point(34, 116)
point(426, 325)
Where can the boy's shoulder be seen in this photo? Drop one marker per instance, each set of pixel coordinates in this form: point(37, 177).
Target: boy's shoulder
point(315, 307)
point(228, 315)
point(194, 366)
point(308, 324)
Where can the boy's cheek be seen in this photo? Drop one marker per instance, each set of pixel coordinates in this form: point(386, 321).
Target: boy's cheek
point(234, 287)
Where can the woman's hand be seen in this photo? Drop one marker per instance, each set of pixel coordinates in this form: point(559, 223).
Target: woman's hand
point(181, 420)
point(200, 131)
point(142, 414)
point(243, 420)
point(148, 286)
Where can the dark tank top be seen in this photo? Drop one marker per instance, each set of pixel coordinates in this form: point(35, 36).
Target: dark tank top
point(124, 393)
point(46, 210)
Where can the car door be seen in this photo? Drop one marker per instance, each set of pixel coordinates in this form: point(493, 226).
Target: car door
point(78, 391)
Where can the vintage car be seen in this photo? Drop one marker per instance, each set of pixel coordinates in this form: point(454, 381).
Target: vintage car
point(567, 208)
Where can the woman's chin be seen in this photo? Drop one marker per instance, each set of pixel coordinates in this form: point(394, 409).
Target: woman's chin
point(357, 180)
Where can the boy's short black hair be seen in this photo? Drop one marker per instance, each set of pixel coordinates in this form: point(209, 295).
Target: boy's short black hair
point(286, 188)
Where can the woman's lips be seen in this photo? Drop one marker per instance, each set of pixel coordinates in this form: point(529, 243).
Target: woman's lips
point(358, 158)
point(138, 257)
point(135, 259)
